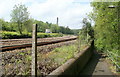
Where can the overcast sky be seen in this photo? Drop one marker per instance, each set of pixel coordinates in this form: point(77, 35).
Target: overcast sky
point(69, 12)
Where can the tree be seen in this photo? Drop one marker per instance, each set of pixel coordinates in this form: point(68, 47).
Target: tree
point(107, 28)
point(3, 24)
point(62, 30)
point(68, 30)
point(29, 24)
point(54, 28)
point(87, 30)
point(20, 15)
point(6, 26)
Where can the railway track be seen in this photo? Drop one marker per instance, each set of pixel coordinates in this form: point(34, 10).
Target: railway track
point(9, 42)
point(5, 48)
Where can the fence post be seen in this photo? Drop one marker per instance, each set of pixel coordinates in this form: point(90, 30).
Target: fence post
point(34, 51)
point(79, 43)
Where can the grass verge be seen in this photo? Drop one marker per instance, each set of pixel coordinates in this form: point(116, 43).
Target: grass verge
point(20, 64)
point(57, 57)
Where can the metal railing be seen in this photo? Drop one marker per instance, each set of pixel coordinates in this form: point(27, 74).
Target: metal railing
point(115, 58)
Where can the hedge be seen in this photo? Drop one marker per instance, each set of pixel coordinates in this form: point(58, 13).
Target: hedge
point(15, 35)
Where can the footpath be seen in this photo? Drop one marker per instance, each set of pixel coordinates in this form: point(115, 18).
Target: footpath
point(97, 67)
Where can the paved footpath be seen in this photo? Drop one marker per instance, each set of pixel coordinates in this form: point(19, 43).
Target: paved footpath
point(97, 66)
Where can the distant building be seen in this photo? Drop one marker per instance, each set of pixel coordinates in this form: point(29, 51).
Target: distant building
point(48, 31)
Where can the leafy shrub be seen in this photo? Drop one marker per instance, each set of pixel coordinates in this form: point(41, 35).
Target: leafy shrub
point(9, 35)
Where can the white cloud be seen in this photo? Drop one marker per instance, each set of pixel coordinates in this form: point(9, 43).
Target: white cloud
point(70, 12)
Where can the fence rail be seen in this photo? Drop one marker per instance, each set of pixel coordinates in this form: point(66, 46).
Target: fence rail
point(114, 58)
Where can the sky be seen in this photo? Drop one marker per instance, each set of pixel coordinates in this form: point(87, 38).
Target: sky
point(69, 12)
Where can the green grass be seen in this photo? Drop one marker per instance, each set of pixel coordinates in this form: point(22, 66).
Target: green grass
point(62, 54)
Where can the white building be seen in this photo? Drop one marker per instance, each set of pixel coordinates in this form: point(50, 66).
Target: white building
point(48, 31)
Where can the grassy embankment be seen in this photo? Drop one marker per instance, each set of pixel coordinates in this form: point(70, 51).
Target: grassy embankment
point(47, 62)
point(59, 56)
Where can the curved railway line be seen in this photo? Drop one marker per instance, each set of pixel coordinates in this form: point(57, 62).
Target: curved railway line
point(9, 42)
point(39, 43)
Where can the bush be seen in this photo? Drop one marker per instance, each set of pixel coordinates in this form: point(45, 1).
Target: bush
point(9, 35)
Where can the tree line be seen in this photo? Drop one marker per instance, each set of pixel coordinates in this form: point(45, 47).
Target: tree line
point(107, 28)
point(22, 23)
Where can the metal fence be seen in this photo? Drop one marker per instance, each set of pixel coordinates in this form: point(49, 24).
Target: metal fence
point(115, 58)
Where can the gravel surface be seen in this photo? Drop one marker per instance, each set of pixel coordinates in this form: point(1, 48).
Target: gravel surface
point(97, 66)
point(17, 62)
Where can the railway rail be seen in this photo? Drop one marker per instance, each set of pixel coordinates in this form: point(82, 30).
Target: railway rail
point(4, 48)
point(9, 42)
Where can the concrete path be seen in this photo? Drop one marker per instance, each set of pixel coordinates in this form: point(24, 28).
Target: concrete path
point(97, 66)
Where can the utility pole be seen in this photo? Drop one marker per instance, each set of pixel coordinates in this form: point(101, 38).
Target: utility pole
point(34, 51)
point(57, 21)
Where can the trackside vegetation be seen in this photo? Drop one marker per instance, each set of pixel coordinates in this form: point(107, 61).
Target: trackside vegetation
point(15, 35)
point(47, 62)
point(107, 29)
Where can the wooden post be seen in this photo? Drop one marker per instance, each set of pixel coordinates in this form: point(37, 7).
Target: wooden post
point(34, 51)
point(2, 67)
point(79, 43)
